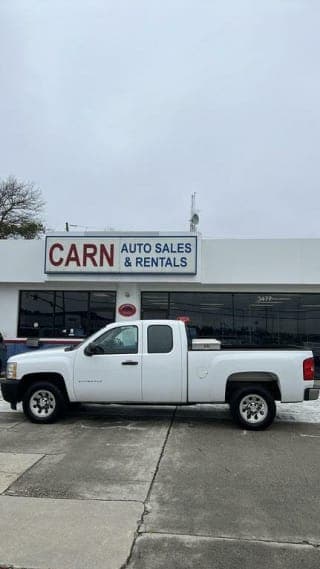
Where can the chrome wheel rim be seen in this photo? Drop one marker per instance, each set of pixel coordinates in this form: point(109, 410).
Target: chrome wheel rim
point(253, 408)
point(42, 403)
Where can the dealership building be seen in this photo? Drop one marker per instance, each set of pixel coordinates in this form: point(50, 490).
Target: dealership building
point(245, 292)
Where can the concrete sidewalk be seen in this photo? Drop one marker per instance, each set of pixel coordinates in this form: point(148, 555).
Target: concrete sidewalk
point(158, 488)
point(67, 534)
point(73, 493)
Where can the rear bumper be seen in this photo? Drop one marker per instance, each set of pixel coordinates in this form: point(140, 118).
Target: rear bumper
point(10, 391)
point(312, 393)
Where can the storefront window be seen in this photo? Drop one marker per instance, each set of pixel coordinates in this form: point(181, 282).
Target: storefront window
point(244, 319)
point(101, 310)
point(73, 313)
point(36, 313)
point(155, 305)
point(267, 319)
point(59, 314)
point(210, 314)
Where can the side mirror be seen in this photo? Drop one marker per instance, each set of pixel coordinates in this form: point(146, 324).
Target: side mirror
point(93, 349)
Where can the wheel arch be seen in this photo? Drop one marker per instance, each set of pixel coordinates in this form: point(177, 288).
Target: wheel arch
point(30, 378)
point(268, 380)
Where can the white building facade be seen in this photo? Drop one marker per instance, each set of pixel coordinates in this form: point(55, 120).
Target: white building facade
point(263, 293)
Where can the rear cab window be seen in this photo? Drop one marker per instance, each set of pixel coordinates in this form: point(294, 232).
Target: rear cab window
point(160, 339)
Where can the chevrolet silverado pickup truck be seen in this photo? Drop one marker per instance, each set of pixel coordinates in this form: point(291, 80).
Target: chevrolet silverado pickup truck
point(155, 362)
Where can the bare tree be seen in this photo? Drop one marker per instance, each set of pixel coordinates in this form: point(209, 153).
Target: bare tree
point(21, 207)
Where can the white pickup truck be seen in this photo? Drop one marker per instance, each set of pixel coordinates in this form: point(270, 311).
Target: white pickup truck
point(154, 362)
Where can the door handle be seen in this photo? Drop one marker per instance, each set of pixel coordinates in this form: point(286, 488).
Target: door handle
point(129, 363)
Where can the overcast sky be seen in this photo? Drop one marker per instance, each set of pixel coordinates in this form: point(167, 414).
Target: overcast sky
point(119, 109)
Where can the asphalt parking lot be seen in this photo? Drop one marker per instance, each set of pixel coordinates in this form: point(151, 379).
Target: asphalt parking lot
point(149, 487)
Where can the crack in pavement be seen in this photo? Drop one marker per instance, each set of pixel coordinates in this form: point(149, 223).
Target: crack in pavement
point(23, 473)
point(303, 543)
point(146, 509)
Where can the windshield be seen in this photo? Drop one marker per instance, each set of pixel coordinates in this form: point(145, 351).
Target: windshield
point(76, 346)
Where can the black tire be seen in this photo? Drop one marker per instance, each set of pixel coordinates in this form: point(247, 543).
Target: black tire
point(262, 411)
point(51, 402)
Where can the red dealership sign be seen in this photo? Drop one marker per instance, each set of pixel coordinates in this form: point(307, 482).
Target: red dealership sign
point(121, 254)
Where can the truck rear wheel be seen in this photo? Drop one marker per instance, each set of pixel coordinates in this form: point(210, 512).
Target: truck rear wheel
point(43, 402)
point(253, 407)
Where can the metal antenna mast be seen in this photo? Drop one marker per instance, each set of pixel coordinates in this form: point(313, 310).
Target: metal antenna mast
point(194, 217)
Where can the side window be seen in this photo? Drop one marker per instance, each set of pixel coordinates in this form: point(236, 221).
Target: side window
point(122, 340)
point(160, 340)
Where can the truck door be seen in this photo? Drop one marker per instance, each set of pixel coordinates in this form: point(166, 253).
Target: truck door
point(109, 369)
point(163, 368)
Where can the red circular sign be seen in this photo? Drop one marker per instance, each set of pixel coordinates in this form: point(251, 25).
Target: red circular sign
point(127, 309)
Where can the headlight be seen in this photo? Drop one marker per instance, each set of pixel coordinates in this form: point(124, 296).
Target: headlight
point(11, 370)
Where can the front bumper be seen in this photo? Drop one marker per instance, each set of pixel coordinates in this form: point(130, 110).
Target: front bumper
point(10, 391)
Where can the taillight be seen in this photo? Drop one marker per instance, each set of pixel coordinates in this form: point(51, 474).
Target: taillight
point(308, 369)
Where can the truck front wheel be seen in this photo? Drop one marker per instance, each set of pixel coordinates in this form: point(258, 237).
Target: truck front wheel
point(253, 407)
point(43, 402)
